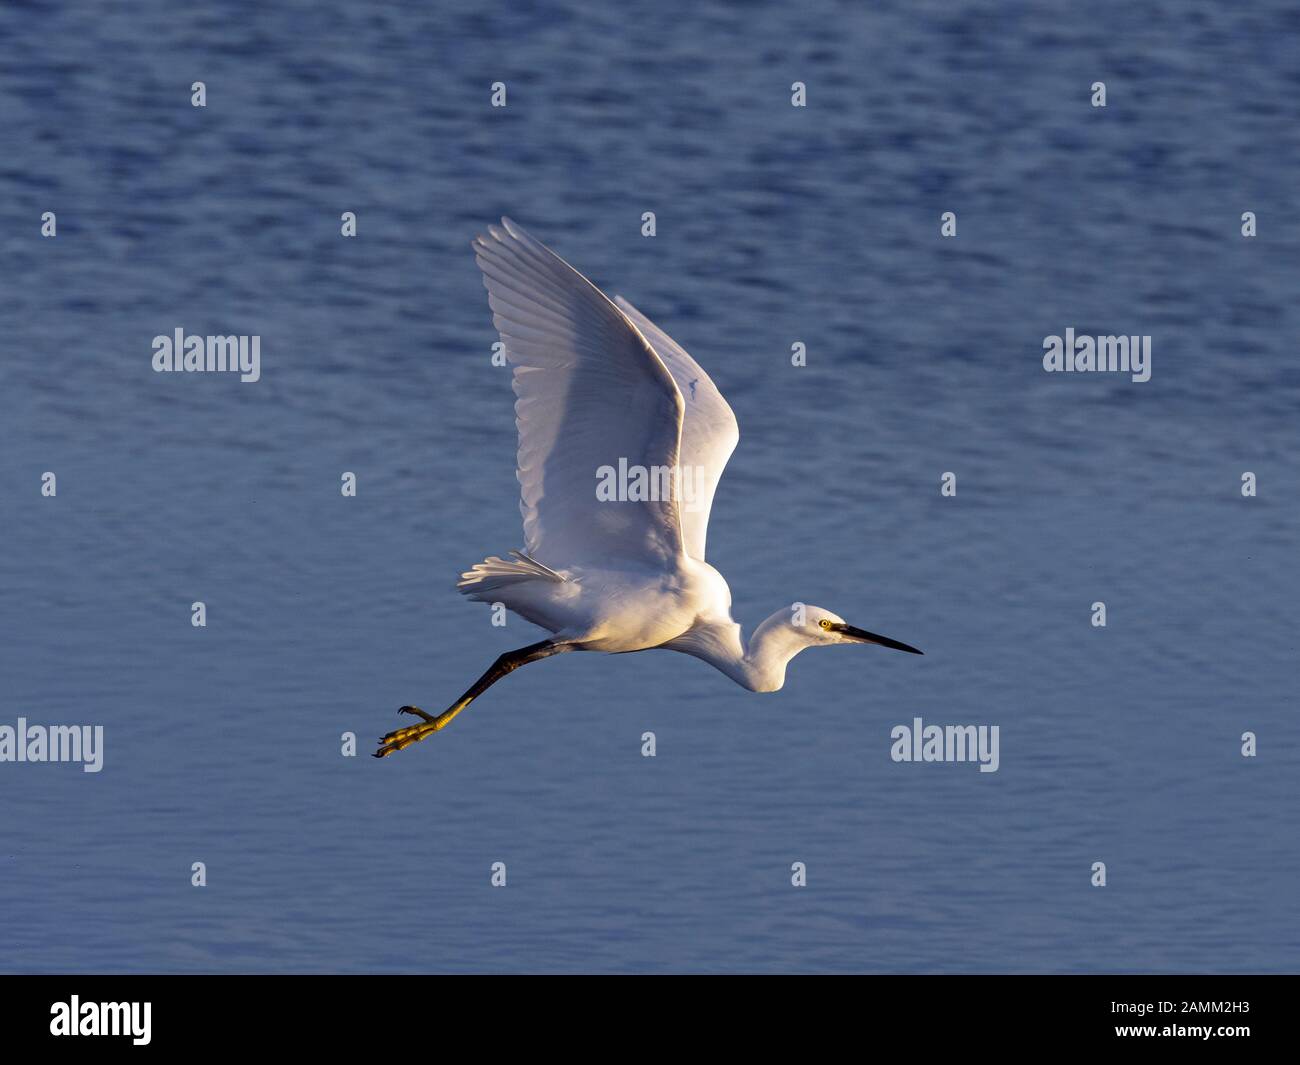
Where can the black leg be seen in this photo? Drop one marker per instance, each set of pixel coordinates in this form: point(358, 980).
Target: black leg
point(507, 663)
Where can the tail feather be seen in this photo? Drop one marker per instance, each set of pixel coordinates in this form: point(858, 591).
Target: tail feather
point(494, 573)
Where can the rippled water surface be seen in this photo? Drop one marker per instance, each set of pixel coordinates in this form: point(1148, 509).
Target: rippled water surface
point(775, 224)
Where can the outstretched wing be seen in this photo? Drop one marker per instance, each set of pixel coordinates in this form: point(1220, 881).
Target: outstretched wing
point(590, 392)
point(709, 430)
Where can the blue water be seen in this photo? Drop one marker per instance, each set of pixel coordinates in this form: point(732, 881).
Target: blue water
point(775, 224)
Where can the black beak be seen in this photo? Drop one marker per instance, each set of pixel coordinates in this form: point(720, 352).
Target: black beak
point(871, 637)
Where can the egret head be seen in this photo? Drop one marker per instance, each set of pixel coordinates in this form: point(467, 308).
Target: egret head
point(827, 629)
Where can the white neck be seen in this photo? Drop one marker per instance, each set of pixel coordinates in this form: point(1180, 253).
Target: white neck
point(759, 666)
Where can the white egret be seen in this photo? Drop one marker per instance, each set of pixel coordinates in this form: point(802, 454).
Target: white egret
point(598, 385)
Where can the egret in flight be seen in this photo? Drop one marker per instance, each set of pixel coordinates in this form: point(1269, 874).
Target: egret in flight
point(599, 386)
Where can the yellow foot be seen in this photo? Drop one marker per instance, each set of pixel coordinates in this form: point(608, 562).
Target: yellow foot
point(404, 737)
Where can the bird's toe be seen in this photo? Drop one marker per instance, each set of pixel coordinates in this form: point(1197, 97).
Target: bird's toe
point(401, 738)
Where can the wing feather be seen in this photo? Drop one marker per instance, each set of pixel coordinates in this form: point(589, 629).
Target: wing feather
point(709, 429)
point(590, 390)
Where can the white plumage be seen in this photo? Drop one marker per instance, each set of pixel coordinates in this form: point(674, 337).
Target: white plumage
point(598, 385)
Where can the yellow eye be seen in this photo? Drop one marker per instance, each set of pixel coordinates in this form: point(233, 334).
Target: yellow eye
point(824, 624)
